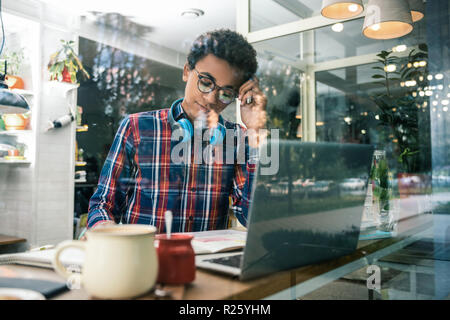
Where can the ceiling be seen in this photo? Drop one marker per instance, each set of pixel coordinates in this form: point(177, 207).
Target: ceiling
point(169, 29)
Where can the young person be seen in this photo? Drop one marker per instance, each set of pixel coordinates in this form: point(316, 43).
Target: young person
point(140, 179)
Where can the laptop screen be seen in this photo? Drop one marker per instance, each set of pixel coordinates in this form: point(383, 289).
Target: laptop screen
point(310, 209)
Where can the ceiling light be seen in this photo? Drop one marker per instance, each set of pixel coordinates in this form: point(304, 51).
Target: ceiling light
point(353, 8)
point(444, 102)
point(375, 27)
point(422, 63)
point(445, 109)
point(410, 83)
point(337, 27)
point(417, 9)
point(439, 76)
point(192, 13)
point(430, 77)
point(399, 48)
point(341, 9)
point(387, 19)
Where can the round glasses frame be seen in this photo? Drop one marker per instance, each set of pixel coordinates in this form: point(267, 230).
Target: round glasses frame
point(201, 87)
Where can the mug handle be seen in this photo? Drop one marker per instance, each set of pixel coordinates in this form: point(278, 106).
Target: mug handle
point(58, 266)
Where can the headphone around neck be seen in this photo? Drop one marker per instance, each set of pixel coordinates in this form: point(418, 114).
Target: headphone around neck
point(185, 125)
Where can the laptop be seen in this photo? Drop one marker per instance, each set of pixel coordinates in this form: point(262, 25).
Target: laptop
point(302, 214)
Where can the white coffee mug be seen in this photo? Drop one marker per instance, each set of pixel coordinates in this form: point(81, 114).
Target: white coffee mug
point(120, 261)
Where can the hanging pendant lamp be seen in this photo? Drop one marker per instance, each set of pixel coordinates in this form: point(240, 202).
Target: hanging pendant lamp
point(417, 8)
point(341, 9)
point(387, 19)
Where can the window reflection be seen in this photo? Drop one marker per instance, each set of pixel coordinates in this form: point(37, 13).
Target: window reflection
point(121, 83)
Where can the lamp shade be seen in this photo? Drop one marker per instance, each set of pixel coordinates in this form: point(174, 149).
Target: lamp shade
point(417, 8)
point(11, 102)
point(341, 9)
point(387, 19)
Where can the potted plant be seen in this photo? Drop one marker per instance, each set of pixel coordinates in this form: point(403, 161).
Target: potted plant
point(11, 62)
point(64, 64)
point(400, 104)
point(382, 189)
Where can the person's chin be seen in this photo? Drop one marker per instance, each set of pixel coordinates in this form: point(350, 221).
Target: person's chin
point(201, 109)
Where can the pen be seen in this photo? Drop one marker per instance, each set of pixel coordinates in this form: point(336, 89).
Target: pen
point(49, 246)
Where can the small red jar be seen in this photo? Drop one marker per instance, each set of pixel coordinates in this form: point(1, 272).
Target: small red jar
point(176, 259)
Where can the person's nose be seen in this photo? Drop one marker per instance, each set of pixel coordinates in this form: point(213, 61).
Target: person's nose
point(211, 97)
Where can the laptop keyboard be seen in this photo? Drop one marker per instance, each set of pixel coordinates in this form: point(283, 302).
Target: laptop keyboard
point(231, 261)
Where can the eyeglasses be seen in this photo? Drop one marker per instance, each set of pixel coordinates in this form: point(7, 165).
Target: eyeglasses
point(205, 84)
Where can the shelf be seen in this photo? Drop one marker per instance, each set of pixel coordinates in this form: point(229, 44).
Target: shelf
point(3, 161)
point(56, 88)
point(23, 92)
point(15, 132)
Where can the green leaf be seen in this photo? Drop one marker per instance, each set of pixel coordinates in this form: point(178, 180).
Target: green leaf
point(383, 83)
point(378, 68)
point(378, 76)
point(423, 47)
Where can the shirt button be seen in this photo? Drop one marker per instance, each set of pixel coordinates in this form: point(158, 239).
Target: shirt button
point(191, 218)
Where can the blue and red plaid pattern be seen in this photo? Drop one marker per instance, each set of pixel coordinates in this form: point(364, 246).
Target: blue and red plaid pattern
point(139, 181)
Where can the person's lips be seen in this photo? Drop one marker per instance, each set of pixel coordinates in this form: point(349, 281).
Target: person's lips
point(203, 108)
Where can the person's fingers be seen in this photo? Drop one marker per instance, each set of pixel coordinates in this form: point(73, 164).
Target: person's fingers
point(254, 98)
point(247, 86)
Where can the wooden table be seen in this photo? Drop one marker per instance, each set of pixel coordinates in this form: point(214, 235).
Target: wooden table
point(210, 285)
point(4, 240)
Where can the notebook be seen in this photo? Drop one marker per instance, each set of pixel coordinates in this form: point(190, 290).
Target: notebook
point(47, 288)
point(70, 257)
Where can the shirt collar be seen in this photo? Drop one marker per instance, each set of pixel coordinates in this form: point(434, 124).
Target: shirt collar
point(178, 113)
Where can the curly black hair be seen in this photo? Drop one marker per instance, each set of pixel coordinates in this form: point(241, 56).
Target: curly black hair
point(228, 45)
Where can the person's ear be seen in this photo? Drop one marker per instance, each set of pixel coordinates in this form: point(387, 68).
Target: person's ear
point(186, 71)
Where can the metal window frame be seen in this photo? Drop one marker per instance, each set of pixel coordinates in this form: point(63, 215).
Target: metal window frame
point(308, 91)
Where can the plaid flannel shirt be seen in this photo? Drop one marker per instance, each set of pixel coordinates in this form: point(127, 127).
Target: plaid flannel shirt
point(139, 181)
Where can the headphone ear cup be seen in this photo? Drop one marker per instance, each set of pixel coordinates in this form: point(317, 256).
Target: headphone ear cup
point(188, 130)
point(218, 135)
